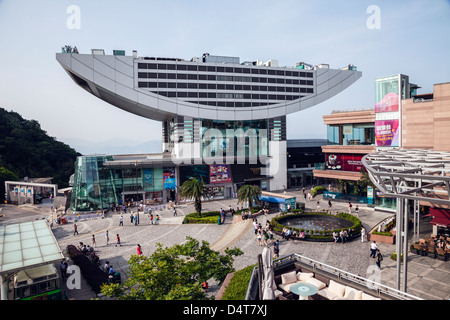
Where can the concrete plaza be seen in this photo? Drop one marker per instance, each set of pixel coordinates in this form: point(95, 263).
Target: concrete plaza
point(427, 278)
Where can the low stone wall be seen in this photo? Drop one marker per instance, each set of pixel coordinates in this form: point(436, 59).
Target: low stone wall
point(224, 286)
point(381, 238)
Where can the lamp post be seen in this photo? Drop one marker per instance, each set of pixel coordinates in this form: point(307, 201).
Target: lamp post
point(137, 192)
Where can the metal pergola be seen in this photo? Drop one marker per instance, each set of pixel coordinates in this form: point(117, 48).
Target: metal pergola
point(409, 174)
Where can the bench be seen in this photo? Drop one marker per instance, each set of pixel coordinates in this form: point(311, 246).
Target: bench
point(328, 289)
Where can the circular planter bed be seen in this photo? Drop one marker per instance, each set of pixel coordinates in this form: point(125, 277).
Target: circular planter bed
point(318, 227)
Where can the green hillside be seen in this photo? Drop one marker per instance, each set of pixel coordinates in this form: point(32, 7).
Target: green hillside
point(27, 151)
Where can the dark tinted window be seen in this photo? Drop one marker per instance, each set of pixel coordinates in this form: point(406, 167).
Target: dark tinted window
point(192, 67)
point(162, 66)
point(181, 67)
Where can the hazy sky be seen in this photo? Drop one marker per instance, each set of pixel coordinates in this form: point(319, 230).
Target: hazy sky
point(413, 39)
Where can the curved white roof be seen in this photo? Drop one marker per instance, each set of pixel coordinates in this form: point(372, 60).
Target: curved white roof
point(114, 79)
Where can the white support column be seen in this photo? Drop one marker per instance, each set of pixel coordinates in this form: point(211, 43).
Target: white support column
point(3, 287)
point(405, 246)
point(398, 239)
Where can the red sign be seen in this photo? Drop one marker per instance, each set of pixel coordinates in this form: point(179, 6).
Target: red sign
point(343, 162)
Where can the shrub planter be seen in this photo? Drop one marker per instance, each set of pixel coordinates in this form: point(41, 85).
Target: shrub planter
point(385, 237)
point(314, 235)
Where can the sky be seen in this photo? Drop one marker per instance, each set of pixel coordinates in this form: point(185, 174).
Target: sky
point(408, 37)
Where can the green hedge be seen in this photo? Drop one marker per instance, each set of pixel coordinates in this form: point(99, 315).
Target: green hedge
point(203, 217)
point(237, 288)
point(316, 234)
point(317, 190)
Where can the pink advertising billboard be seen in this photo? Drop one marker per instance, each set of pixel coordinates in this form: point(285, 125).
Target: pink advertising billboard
point(389, 103)
point(387, 133)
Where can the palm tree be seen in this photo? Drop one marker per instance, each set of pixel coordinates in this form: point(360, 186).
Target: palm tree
point(194, 188)
point(248, 193)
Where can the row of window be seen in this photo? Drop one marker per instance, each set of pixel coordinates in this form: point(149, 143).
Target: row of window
point(214, 95)
point(231, 104)
point(212, 77)
point(213, 86)
point(254, 70)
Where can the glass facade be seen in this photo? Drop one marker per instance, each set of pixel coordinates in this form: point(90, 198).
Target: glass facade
point(242, 138)
point(96, 186)
point(351, 134)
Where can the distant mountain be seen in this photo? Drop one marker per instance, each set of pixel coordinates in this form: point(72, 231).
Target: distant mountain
point(27, 151)
point(114, 146)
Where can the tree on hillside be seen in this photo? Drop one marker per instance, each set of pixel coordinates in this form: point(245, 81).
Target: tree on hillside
point(248, 193)
point(173, 273)
point(28, 151)
point(5, 175)
point(194, 188)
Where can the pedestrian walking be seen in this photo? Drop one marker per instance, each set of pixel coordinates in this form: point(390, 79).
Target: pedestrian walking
point(63, 267)
point(75, 229)
point(93, 241)
point(276, 249)
point(174, 212)
point(157, 219)
point(318, 205)
point(107, 237)
point(151, 218)
point(309, 196)
point(139, 250)
point(379, 259)
point(131, 217)
point(349, 207)
point(121, 221)
point(357, 211)
point(118, 240)
point(135, 220)
point(373, 249)
point(363, 234)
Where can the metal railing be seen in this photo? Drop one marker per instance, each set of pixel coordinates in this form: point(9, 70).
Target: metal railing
point(372, 286)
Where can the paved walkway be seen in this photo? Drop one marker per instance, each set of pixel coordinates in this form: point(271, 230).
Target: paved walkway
point(427, 278)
